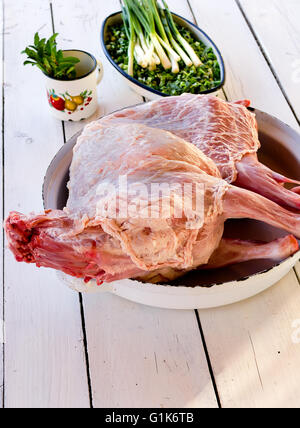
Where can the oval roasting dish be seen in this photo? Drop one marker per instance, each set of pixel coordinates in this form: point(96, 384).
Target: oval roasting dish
point(147, 91)
point(200, 289)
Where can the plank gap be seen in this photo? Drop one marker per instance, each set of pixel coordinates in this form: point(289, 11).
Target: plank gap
point(86, 351)
point(195, 22)
point(255, 360)
point(84, 334)
point(296, 273)
point(210, 368)
point(52, 16)
point(63, 131)
point(192, 12)
point(276, 77)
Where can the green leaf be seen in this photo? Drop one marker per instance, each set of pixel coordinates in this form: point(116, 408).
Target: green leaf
point(47, 65)
point(71, 72)
point(53, 56)
point(46, 57)
point(53, 65)
point(29, 62)
point(48, 48)
point(60, 56)
point(36, 39)
point(31, 53)
point(42, 68)
point(52, 39)
point(33, 47)
point(70, 59)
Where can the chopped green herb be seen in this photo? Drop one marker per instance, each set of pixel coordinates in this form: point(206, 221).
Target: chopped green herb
point(190, 79)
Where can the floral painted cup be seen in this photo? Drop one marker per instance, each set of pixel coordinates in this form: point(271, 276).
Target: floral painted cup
point(76, 99)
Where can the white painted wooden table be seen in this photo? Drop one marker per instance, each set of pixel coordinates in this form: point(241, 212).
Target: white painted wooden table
point(66, 350)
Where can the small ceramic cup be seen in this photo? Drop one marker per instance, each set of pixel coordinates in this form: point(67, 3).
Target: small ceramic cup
point(76, 99)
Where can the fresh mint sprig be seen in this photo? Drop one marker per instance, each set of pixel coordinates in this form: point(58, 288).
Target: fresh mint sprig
point(44, 54)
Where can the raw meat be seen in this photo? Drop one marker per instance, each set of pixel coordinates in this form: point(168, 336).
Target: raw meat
point(98, 236)
point(255, 176)
point(225, 132)
point(236, 251)
point(50, 240)
point(147, 156)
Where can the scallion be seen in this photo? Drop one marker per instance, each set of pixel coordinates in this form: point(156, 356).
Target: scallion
point(154, 37)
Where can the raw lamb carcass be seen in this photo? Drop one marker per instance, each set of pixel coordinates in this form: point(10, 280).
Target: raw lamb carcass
point(225, 132)
point(97, 236)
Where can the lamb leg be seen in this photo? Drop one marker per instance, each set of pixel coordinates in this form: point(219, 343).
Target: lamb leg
point(233, 251)
point(253, 175)
point(241, 203)
point(55, 241)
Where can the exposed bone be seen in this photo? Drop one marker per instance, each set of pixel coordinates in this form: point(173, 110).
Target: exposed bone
point(232, 251)
point(242, 203)
point(255, 176)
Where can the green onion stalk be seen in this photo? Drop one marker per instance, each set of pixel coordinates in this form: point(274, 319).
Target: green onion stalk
point(185, 58)
point(144, 13)
point(129, 28)
point(162, 38)
point(190, 51)
point(154, 37)
point(144, 49)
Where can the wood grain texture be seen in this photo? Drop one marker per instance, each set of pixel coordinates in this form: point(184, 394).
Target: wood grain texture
point(276, 25)
point(145, 357)
point(255, 362)
point(247, 72)
point(138, 356)
point(253, 357)
point(44, 353)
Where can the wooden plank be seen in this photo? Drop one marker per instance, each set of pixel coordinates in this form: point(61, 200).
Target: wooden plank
point(138, 356)
point(145, 357)
point(1, 208)
point(253, 357)
point(82, 31)
point(247, 73)
point(276, 24)
point(44, 354)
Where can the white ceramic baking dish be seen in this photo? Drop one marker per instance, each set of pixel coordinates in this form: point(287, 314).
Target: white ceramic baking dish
point(200, 289)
